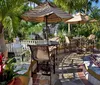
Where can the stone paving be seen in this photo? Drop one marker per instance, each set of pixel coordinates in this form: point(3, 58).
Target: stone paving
point(66, 77)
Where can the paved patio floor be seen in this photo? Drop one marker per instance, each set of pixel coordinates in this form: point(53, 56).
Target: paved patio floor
point(65, 73)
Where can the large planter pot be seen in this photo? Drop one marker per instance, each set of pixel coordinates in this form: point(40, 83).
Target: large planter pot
point(15, 81)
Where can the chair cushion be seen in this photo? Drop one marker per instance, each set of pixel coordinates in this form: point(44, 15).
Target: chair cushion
point(51, 48)
point(42, 55)
point(67, 40)
point(15, 81)
point(54, 39)
point(92, 36)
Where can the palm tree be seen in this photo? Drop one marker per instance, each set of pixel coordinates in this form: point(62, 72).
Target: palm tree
point(88, 5)
point(75, 5)
point(70, 5)
point(10, 11)
point(95, 13)
point(36, 1)
point(96, 1)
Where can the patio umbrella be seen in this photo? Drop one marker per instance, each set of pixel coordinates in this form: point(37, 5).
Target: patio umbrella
point(79, 18)
point(93, 20)
point(47, 13)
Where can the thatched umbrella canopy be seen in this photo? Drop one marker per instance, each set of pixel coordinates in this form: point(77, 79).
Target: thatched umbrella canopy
point(48, 13)
point(93, 20)
point(78, 18)
point(48, 10)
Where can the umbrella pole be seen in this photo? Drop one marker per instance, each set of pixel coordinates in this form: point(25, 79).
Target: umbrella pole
point(46, 33)
point(48, 43)
point(68, 28)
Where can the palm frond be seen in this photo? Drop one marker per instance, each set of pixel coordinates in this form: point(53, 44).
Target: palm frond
point(70, 5)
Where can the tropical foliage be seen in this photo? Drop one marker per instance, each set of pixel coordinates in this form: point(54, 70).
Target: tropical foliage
point(95, 13)
point(9, 72)
point(10, 17)
point(81, 6)
point(76, 5)
point(70, 5)
point(10, 11)
point(27, 28)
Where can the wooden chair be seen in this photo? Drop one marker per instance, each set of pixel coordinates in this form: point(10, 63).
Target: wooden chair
point(91, 42)
point(67, 43)
point(83, 45)
point(70, 44)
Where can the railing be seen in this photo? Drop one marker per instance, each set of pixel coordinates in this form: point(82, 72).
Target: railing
point(9, 47)
point(24, 43)
point(16, 48)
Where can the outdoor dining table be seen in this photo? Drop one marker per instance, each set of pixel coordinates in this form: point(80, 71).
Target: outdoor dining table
point(52, 46)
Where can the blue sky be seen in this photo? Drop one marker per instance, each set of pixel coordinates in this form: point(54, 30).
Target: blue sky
point(98, 5)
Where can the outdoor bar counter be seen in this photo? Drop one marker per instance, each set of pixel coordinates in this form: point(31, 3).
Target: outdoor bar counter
point(92, 69)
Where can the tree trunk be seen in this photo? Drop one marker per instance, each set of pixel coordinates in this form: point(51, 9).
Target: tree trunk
point(2, 42)
point(86, 8)
point(1, 35)
point(1, 27)
point(69, 32)
point(69, 26)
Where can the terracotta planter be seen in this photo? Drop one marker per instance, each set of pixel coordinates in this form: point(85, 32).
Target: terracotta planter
point(15, 81)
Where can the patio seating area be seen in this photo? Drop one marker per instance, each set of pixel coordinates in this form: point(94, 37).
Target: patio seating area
point(69, 63)
point(65, 64)
point(49, 42)
point(69, 47)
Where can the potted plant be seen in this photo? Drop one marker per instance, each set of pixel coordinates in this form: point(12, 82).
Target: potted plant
point(9, 74)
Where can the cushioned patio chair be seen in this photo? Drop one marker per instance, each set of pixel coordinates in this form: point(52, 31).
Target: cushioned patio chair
point(55, 39)
point(75, 45)
point(71, 44)
point(43, 57)
point(83, 45)
point(67, 43)
point(91, 42)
